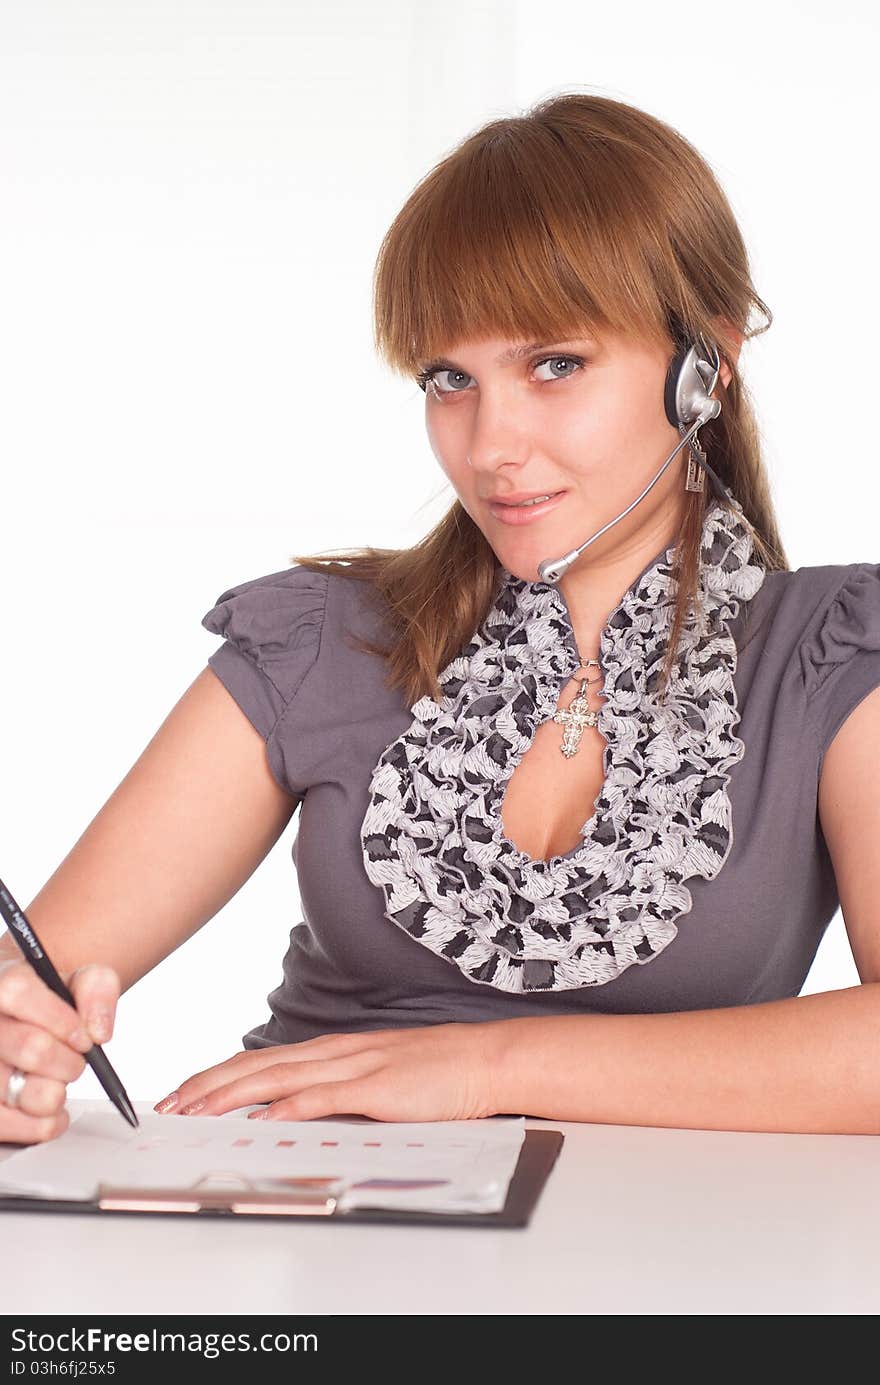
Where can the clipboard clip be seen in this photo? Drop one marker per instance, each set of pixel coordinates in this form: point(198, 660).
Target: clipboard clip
point(230, 1192)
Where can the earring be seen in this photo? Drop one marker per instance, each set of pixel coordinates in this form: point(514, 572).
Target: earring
point(696, 478)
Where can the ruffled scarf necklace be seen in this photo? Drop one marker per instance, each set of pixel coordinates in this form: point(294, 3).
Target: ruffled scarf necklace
point(432, 836)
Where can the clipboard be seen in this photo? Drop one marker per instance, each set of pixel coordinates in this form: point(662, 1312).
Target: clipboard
point(305, 1198)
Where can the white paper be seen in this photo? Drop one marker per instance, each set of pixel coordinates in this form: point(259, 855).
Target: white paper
point(473, 1160)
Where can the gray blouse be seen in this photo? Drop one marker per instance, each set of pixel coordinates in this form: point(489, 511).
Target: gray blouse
point(702, 879)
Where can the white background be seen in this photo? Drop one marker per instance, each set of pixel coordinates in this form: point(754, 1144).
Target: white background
point(193, 196)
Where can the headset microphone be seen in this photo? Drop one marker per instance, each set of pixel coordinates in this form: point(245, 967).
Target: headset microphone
point(690, 380)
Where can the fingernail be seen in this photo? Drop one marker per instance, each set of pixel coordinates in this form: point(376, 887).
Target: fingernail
point(100, 1025)
point(80, 1039)
point(168, 1103)
point(193, 1107)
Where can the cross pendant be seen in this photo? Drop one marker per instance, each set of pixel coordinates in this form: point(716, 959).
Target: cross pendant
point(574, 718)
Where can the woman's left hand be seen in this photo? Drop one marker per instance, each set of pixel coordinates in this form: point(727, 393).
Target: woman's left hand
point(431, 1073)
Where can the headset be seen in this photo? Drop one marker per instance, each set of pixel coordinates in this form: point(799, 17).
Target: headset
point(692, 375)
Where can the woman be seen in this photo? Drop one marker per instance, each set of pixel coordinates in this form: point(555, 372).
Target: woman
point(446, 718)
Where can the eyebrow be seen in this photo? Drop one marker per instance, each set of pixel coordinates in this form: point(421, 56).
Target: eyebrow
point(513, 354)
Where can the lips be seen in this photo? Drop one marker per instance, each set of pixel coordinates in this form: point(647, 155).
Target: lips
point(511, 513)
point(517, 497)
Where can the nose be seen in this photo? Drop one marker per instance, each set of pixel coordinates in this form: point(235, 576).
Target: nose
point(497, 439)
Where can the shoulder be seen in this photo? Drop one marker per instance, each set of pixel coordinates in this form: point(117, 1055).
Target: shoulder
point(281, 621)
point(836, 610)
point(818, 613)
point(288, 590)
point(278, 605)
point(826, 625)
point(812, 589)
point(273, 624)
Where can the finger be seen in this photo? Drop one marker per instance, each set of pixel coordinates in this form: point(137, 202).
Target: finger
point(199, 1084)
point(34, 1050)
point(275, 1081)
point(25, 996)
point(306, 1050)
point(40, 1096)
point(240, 1064)
point(96, 987)
point(18, 1128)
point(347, 1098)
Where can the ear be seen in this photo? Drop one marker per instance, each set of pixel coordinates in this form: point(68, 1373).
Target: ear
point(730, 341)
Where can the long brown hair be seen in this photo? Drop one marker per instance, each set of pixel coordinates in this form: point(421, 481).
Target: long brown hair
point(583, 213)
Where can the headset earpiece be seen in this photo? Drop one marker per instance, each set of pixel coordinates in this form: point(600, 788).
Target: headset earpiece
point(692, 376)
point(687, 396)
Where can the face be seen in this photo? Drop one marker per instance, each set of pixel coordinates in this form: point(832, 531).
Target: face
point(580, 420)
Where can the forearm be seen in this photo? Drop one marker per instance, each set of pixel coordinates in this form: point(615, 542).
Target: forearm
point(810, 1064)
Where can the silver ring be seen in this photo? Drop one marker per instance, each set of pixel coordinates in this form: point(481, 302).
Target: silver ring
point(14, 1087)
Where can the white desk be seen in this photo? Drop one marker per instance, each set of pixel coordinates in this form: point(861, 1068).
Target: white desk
point(633, 1220)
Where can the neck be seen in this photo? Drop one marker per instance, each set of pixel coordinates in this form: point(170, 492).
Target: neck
point(595, 585)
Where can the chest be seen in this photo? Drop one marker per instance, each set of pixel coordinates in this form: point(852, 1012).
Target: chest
point(550, 797)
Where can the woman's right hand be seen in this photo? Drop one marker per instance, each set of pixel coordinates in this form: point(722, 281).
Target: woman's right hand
point(45, 1038)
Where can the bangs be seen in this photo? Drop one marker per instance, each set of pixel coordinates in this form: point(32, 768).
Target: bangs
point(522, 234)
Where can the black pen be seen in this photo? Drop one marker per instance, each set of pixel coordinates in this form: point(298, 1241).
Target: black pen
point(35, 953)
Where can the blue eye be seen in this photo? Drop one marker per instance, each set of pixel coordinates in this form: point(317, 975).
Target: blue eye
point(431, 375)
point(554, 361)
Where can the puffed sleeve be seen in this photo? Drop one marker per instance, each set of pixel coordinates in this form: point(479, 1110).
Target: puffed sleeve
point(840, 657)
point(271, 628)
